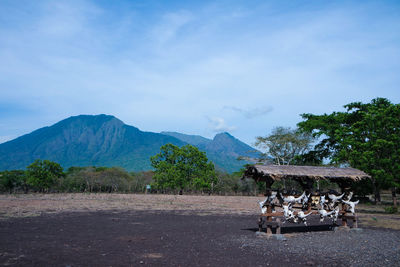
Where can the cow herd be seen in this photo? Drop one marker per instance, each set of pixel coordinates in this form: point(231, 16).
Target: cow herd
point(327, 205)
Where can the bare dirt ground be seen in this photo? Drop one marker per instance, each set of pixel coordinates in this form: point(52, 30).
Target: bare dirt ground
point(155, 230)
point(36, 204)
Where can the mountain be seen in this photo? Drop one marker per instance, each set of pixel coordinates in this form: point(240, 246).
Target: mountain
point(195, 140)
point(103, 140)
point(85, 141)
point(223, 150)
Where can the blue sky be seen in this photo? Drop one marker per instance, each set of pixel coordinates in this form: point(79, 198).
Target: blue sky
point(196, 67)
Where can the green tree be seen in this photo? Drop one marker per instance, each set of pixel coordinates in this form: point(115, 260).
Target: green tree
point(42, 174)
point(284, 144)
point(182, 168)
point(365, 136)
point(12, 180)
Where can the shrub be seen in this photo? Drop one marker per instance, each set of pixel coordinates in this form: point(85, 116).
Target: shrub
point(391, 209)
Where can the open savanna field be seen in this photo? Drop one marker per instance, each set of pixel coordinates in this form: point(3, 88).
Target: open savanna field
point(133, 229)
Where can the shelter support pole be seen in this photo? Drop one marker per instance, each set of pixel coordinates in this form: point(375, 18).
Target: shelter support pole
point(308, 190)
point(344, 218)
point(269, 219)
point(278, 228)
point(344, 188)
point(355, 222)
point(268, 183)
point(260, 224)
point(307, 186)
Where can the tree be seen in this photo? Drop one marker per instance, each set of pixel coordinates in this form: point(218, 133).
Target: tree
point(12, 180)
point(97, 179)
point(139, 180)
point(226, 182)
point(182, 168)
point(114, 179)
point(365, 136)
point(42, 174)
point(73, 180)
point(284, 144)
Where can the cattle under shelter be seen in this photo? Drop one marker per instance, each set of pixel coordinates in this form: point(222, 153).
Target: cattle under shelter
point(295, 208)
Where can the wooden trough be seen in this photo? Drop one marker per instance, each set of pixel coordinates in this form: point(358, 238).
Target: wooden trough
point(305, 176)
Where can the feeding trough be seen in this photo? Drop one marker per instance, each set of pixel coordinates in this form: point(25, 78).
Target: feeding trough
point(297, 208)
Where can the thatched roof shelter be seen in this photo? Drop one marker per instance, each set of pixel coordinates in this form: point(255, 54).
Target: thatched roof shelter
point(305, 175)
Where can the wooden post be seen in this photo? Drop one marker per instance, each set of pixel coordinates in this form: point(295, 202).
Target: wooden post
point(260, 224)
point(269, 219)
point(309, 204)
point(307, 186)
point(355, 221)
point(344, 219)
point(268, 183)
point(344, 187)
point(278, 227)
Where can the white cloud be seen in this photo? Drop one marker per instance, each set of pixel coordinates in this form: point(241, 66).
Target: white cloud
point(252, 112)
point(217, 124)
point(169, 26)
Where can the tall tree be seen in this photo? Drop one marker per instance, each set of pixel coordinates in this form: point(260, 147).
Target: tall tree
point(42, 174)
point(284, 144)
point(365, 136)
point(182, 168)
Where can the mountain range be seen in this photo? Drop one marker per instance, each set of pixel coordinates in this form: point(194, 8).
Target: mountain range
point(104, 140)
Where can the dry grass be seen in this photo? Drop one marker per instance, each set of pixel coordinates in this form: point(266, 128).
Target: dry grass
point(380, 221)
point(36, 204)
point(374, 216)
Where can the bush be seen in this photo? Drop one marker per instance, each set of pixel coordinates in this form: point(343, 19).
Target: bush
point(12, 181)
point(391, 209)
point(139, 180)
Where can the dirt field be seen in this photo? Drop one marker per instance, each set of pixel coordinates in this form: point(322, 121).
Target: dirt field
point(36, 204)
point(132, 230)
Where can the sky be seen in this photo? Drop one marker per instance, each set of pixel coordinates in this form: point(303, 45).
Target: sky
point(195, 67)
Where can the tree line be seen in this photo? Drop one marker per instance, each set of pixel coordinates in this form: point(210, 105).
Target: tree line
point(46, 176)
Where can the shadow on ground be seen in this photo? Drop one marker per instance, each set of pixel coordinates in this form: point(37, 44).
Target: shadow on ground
point(298, 229)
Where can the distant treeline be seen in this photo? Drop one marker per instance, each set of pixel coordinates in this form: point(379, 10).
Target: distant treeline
point(48, 177)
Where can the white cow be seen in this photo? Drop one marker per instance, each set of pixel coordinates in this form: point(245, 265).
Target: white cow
point(334, 199)
point(323, 213)
point(266, 201)
point(292, 199)
point(302, 216)
point(352, 205)
point(288, 211)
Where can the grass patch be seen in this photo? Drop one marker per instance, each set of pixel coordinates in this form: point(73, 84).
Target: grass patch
point(380, 221)
point(391, 209)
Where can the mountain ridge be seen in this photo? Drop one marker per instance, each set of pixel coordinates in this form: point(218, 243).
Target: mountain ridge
point(104, 140)
point(224, 149)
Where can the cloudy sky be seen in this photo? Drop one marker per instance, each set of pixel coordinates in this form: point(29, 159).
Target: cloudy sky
point(196, 67)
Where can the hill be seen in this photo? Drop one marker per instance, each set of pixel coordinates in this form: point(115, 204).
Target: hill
point(103, 140)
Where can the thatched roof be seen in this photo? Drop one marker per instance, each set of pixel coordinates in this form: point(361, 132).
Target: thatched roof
point(277, 172)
